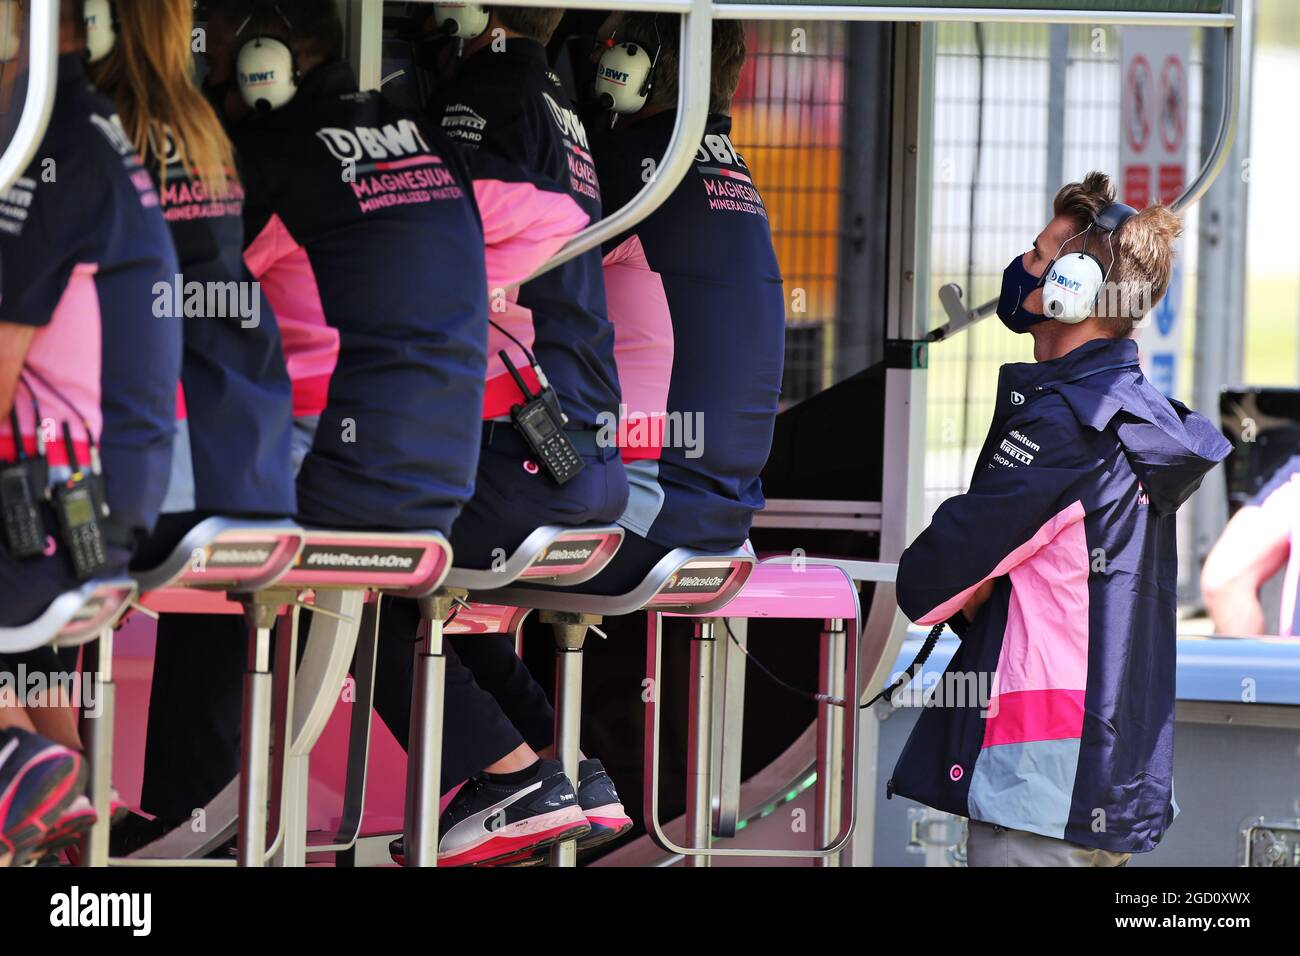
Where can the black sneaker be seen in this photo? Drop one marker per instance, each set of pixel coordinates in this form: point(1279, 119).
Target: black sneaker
point(600, 805)
point(487, 822)
point(39, 780)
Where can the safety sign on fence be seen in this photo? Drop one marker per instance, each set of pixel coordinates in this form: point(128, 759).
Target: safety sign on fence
point(1154, 64)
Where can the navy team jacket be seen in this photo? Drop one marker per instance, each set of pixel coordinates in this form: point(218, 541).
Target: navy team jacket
point(83, 251)
point(536, 187)
point(361, 227)
point(234, 406)
point(697, 303)
point(1056, 715)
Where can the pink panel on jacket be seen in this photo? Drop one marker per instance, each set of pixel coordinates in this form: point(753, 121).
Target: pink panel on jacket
point(1030, 715)
point(311, 346)
point(1046, 533)
point(67, 354)
point(1045, 645)
point(523, 226)
point(643, 347)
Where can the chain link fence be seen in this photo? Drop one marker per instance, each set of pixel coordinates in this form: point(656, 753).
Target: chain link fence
point(789, 116)
point(1005, 93)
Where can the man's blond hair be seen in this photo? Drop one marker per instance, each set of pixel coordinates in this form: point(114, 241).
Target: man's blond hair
point(663, 33)
point(536, 23)
point(1143, 251)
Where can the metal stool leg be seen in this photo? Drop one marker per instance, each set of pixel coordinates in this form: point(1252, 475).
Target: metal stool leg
point(699, 760)
point(570, 632)
point(830, 739)
point(255, 756)
point(424, 748)
point(287, 794)
point(354, 787)
point(99, 748)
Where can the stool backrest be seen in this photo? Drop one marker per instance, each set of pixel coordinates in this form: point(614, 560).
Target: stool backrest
point(73, 617)
point(703, 584)
point(104, 606)
point(575, 555)
point(412, 564)
point(554, 555)
point(227, 554)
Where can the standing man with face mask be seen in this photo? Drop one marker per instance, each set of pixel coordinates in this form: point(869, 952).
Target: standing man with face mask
point(1059, 566)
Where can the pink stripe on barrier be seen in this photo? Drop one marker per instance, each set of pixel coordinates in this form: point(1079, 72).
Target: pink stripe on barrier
point(1028, 715)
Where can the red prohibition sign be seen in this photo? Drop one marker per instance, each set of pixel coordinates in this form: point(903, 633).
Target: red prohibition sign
point(1138, 124)
point(1173, 104)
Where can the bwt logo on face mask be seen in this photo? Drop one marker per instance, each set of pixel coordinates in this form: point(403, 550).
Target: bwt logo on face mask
point(386, 142)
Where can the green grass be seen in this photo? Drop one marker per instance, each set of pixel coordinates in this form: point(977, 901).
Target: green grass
point(1271, 352)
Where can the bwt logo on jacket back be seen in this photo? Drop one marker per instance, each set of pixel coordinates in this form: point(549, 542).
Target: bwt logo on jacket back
point(393, 141)
point(570, 125)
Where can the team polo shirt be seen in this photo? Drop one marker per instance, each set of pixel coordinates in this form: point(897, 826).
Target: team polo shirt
point(536, 186)
point(360, 224)
point(697, 302)
point(84, 249)
point(234, 413)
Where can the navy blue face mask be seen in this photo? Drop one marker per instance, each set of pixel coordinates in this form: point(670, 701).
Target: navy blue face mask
point(1017, 283)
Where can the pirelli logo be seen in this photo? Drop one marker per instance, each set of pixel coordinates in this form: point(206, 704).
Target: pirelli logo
point(1016, 452)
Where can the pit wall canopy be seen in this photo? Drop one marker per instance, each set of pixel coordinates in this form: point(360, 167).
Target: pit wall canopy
point(1108, 6)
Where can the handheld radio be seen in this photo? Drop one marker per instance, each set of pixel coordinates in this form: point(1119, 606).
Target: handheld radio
point(23, 486)
point(78, 506)
point(540, 422)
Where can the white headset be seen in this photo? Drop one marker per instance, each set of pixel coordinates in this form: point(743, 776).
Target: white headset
point(625, 77)
point(101, 29)
point(1072, 285)
point(464, 21)
point(266, 70)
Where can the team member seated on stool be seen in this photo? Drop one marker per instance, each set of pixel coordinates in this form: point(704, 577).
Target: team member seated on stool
point(530, 158)
point(362, 230)
point(232, 452)
point(678, 323)
point(700, 349)
point(1059, 565)
point(88, 377)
